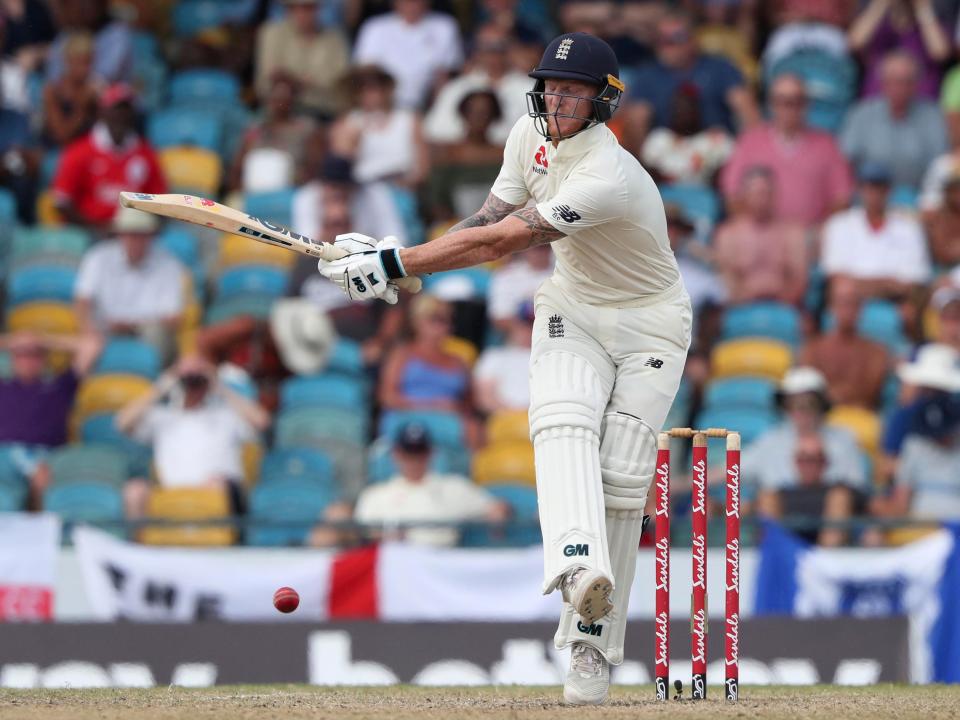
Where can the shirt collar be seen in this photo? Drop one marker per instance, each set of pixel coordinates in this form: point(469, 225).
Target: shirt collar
point(102, 140)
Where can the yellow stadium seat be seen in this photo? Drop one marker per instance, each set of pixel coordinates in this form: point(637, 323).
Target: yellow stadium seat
point(865, 425)
point(106, 394)
point(507, 426)
point(252, 454)
point(192, 169)
point(463, 349)
point(506, 462)
point(236, 250)
point(47, 213)
point(43, 316)
point(907, 535)
point(931, 324)
point(751, 356)
point(187, 504)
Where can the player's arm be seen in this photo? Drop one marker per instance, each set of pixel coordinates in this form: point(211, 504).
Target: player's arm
point(493, 211)
point(476, 244)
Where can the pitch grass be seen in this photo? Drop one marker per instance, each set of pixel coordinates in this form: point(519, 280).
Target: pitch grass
point(290, 702)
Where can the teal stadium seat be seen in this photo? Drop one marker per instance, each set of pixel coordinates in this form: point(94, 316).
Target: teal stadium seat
point(522, 500)
point(464, 284)
point(204, 86)
point(445, 428)
point(303, 426)
point(262, 280)
point(176, 126)
point(275, 206)
point(41, 282)
point(700, 203)
point(88, 463)
point(128, 356)
point(283, 512)
point(191, 17)
point(775, 321)
point(13, 486)
point(85, 502)
point(41, 245)
point(346, 358)
point(327, 390)
point(749, 422)
point(182, 244)
point(741, 392)
point(100, 429)
point(257, 306)
point(306, 464)
point(879, 320)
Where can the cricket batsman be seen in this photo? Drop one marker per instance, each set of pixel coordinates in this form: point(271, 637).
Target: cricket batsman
point(610, 337)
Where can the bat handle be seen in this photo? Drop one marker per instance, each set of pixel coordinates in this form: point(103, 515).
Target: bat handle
point(411, 283)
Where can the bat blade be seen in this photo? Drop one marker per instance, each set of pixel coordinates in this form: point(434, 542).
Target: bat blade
point(208, 213)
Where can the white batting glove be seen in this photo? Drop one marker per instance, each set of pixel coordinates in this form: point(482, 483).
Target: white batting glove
point(355, 242)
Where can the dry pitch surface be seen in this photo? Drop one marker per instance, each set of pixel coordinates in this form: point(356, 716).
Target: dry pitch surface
point(297, 701)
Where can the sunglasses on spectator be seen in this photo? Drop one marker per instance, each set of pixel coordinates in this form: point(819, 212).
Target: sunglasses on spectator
point(811, 458)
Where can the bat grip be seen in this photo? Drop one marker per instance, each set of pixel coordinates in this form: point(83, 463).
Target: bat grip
point(411, 283)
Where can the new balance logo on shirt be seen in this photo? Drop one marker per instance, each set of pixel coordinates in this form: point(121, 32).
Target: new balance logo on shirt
point(565, 213)
point(656, 363)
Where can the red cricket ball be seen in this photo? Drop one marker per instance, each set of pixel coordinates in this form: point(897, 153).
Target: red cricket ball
point(286, 600)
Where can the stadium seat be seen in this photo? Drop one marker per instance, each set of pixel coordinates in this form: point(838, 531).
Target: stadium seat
point(741, 392)
point(307, 464)
point(445, 428)
point(865, 425)
point(13, 495)
point(750, 356)
point(128, 356)
point(508, 462)
point(188, 504)
point(381, 467)
point(48, 246)
point(679, 413)
point(305, 425)
point(182, 244)
point(831, 82)
point(771, 320)
point(176, 126)
point(880, 320)
point(47, 213)
point(42, 316)
point(283, 512)
point(192, 170)
point(191, 17)
point(749, 422)
point(464, 284)
point(88, 463)
point(106, 394)
point(101, 430)
point(462, 348)
point(508, 425)
point(235, 251)
point(34, 283)
point(346, 357)
point(8, 207)
point(257, 306)
point(275, 206)
point(6, 368)
point(85, 502)
point(324, 391)
point(700, 203)
point(258, 280)
point(204, 86)
point(522, 500)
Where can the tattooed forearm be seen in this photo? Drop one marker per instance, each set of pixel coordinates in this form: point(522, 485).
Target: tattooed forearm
point(541, 232)
point(493, 211)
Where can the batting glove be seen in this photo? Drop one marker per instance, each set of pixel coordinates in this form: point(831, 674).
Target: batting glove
point(367, 275)
point(355, 242)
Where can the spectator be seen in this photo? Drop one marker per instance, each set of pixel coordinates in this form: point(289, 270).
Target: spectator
point(20, 163)
point(111, 158)
point(422, 374)
point(35, 406)
point(813, 178)
point(803, 398)
point(418, 47)
point(417, 495)
point(128, 286)
point(808, 25)
point(369, 209)
point(855, 368)
point(725, 101)
point(489, 70)
point(884, 251)
point(316, 56)
point(927, 481)
point(70, 103)
point(501, 378)
point(945, 303)
point(943, 223)
point(686, 152)
point(383, 141)
point(813, 495)
point(283, 139)
point(908, 25)
point(27, 29)
point(516, 282)
point(759, 256)
point(898, 128)
point(112, 40)
point(464, 171)
point(197, 436)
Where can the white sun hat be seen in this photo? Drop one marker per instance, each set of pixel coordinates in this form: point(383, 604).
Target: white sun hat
point(936, 366)
point(303, 333)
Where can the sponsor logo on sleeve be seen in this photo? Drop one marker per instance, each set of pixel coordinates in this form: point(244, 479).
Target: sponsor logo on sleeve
point(565, 213)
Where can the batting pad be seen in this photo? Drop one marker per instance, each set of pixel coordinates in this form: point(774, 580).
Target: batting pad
point(566, 403)
point(628, 453)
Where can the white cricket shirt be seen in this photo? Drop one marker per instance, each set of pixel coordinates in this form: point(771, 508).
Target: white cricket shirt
point(588, 187)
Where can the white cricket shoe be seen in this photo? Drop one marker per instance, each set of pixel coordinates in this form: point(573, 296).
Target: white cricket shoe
point(588, 679)
point(589, 593)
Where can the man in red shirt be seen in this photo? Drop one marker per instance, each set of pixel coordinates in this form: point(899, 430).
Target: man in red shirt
point(110, 158)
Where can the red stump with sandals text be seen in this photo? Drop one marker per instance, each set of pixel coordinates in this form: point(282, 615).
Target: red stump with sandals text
point(698, 607)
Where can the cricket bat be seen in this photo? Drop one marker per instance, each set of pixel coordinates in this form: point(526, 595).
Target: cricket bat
point(201, 211)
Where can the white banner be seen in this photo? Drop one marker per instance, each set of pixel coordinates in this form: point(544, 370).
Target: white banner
point(140, 583)
point(29, 545)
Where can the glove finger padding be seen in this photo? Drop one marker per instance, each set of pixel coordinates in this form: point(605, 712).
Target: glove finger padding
point(356, 242)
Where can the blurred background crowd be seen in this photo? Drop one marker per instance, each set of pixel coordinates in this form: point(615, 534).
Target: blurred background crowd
point(808, 152)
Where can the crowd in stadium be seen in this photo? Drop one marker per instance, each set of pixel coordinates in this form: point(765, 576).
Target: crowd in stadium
point(808, 153)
